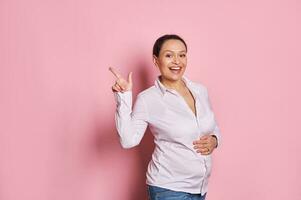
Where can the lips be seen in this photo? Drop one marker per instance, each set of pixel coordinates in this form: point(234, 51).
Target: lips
point(175, 69)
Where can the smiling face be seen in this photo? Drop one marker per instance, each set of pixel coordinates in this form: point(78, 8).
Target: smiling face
point(172, 60)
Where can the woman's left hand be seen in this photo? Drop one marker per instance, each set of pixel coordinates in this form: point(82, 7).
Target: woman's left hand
point(205, 145)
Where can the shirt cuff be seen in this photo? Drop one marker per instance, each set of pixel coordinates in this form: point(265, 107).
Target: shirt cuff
point(124, 98)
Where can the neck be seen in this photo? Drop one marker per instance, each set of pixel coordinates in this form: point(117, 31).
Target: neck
point(176, 85)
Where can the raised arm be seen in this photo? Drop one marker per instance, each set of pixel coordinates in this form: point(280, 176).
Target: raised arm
point(121, 85)
point(130, 123)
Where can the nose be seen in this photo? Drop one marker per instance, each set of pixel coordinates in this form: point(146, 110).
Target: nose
point(176, 60)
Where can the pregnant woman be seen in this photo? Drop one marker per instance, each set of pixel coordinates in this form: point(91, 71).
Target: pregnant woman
point(180, 117)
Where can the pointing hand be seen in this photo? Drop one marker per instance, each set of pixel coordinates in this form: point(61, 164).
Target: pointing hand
point(121, 84)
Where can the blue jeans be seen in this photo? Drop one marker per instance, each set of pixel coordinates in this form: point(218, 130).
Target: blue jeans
point(158, 193)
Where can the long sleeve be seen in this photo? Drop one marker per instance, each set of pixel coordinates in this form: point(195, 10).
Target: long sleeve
point(130, 123)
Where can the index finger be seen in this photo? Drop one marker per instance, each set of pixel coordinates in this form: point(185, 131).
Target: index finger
point(204, 137)
point(117, 75)
point(199, 142)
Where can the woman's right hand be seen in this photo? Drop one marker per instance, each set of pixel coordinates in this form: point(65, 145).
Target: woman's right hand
point(121, 85)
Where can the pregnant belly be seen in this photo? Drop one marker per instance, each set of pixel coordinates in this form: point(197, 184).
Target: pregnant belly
point(181, 162)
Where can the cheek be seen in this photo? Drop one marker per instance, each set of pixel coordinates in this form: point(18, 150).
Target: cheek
point(184, 61)
point(162, 67)
point(164, 64)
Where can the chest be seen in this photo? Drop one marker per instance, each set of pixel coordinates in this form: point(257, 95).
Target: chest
point(178, 117)
point(174, 118)
point(189, 100)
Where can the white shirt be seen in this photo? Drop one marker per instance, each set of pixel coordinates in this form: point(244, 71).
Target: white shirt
point(175, 164)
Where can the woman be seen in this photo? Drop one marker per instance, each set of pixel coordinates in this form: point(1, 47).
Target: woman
point(181, 120)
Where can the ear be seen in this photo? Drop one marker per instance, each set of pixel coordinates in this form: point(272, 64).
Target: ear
point(155, 60)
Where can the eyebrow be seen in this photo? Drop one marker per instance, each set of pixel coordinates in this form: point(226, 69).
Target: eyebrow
point(174, 51)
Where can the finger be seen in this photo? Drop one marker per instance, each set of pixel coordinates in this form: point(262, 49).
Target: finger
point(212, 143)
point(195, 142)
point(118, 87)
point(206, 153)
point(130, 78)
point(115, 88)
point(121, 82)
point(203, 151)
point(200, 142)
point(205, 137)
point(116, 74)
point(201, 147)
point(204, 141)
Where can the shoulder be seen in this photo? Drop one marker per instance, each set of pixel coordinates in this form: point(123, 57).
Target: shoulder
point(150, 96)
point(149, 92)
point(147, 98)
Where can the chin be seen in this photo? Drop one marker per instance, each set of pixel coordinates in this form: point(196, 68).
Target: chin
point(175, 77)
point(172, 76)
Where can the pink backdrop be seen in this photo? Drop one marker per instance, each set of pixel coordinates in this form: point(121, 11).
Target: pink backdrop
point(57, 134)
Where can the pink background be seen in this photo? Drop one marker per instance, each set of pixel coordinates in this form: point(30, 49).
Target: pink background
point(57, 134)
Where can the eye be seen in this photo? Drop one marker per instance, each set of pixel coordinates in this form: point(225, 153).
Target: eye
point(168, 55)
point(183, 55)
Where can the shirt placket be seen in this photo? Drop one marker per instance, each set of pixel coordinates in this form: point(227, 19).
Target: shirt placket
point(196, 102)
point(198, 126)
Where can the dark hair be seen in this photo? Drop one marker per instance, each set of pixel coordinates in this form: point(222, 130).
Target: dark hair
point(160, 41)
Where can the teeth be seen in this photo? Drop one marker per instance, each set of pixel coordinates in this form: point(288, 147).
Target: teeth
point(175, 68)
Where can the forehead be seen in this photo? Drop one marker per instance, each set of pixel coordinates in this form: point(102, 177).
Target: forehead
point(173, 45)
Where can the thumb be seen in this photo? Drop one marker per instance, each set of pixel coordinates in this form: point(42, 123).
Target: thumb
point(130, 78)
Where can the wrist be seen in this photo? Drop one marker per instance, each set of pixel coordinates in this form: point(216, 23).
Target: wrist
point(214, 136)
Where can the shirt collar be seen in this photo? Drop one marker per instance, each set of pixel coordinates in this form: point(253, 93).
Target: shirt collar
point(163, 89)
